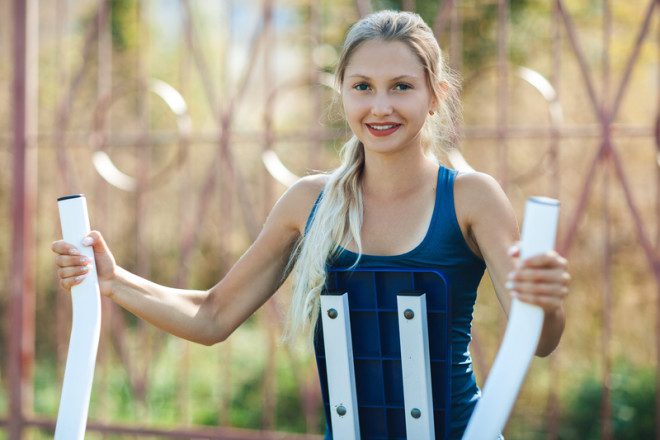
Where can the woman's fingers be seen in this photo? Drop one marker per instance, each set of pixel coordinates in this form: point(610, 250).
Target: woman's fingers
point(68, 283)
point(538, 289)
point(63, 248)
point(72, 265)
point(541, 280)
point(72, 271)
point(68, 260)
point(548, 259)
point(540, 275)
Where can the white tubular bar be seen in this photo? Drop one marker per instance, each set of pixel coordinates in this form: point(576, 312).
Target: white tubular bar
point(522, 333)
point(339, 363)
point(416, 366)
point(85, 331)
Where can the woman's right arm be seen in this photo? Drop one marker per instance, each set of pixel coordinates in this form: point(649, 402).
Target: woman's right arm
point(208, 316)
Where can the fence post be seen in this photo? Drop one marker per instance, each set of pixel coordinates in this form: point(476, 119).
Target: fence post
point(20, 332)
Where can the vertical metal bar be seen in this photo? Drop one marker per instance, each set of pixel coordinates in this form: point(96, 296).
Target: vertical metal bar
point(657, 249)
point(502, 92)
point(442, 15)
point(606, 317)
point(456, 39)
point(101, 203)
point(143, 164)
point(269, 315)
point(657, 283)
point(20, 357)
point(62, 302)
point(314, 30)
point(185, 205)
point(226, 203)
point(553, 406)
point(606, 398)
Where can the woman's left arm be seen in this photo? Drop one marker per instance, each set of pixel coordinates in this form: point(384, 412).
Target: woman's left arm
point(489, 225)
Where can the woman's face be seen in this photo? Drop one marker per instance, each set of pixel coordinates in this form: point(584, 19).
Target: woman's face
point(385, 96)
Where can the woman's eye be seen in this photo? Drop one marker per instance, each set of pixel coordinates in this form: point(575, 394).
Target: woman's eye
point(402, 86)
point(361, 87)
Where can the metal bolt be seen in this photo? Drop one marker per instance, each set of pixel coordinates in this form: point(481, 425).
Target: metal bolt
point(409, 314)
point(341, 410)
point(332, 313)
point(416, 413)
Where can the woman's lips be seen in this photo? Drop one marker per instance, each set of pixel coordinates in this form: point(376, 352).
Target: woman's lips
point(380, 130)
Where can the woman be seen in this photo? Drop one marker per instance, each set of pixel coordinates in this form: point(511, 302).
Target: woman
point(390, 203)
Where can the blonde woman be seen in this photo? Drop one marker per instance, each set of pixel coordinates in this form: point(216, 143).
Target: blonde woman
point(390, 203)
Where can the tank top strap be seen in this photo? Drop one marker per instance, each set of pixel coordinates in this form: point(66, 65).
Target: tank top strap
point(312, 213)
point(445, 239)
point(445, 193)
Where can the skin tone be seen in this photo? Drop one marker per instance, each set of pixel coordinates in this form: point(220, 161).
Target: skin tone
point(386, 101)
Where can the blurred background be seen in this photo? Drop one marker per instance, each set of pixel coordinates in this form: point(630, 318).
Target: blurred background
point(184, 121)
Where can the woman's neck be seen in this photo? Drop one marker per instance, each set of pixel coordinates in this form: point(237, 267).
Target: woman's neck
point(387, 176)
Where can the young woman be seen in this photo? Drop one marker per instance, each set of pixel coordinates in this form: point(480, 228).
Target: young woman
point(390, 203)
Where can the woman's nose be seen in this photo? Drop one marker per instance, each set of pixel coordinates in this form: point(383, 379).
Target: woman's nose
point(381, 105)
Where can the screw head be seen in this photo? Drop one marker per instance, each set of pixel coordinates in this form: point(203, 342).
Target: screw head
point(332, 313)
point(408, 314)
point(416, 413)
point(341, 410)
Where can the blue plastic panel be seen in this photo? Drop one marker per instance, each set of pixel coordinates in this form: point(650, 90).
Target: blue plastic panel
point(376, 347)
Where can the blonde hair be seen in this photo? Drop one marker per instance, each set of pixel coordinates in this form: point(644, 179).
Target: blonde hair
point(338, 217)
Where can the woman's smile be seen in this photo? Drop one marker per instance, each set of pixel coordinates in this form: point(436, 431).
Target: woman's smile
point(380, 129)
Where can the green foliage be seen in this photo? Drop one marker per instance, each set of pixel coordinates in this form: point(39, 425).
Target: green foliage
point(123, 21)
point(478, 27)
point(633, 405)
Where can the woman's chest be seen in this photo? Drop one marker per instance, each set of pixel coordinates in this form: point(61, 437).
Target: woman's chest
point(394, 227)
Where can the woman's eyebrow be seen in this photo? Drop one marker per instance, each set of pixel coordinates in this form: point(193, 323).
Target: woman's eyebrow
point(396, 78)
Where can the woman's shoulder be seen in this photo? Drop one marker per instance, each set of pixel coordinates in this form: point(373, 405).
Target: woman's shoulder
point(301, 196)
point(477, 193)
point(309, 187)
point(474, 183)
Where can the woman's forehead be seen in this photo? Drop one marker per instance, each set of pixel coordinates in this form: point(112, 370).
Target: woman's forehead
point(384, 59)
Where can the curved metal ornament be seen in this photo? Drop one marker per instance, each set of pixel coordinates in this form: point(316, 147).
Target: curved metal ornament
point(85, 330)
point(522, 333)
point(104, 164)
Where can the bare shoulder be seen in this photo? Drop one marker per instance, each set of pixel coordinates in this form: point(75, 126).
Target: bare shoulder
point(482, 206)
point(297, 202)
point(477, 191)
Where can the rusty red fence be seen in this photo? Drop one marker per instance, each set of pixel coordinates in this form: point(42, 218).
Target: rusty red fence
point(65, 115)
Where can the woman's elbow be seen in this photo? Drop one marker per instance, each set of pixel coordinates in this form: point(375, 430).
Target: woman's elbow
point(211, 331)
point(211, 338)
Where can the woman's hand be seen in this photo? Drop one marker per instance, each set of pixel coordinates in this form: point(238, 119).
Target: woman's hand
point(73, 267)
point(541, 280)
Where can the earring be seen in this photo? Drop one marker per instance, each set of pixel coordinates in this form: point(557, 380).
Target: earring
point(431, 112)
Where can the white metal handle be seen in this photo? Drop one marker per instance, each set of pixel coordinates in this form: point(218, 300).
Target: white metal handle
point(522, 333)
point(85, 330)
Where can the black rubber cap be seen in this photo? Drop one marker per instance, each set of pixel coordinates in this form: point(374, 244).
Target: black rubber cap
point(72, 196)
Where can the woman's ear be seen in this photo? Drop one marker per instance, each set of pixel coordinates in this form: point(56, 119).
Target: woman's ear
point(443, 87)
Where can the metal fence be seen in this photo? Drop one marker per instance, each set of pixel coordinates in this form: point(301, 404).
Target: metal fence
point(144, 134)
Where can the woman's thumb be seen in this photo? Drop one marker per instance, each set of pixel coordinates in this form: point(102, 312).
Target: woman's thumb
point(95, 239)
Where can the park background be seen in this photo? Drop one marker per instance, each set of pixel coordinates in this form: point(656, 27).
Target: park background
point(181, 120)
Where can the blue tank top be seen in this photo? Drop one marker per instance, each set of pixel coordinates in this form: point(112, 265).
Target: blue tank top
point(443, 248)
